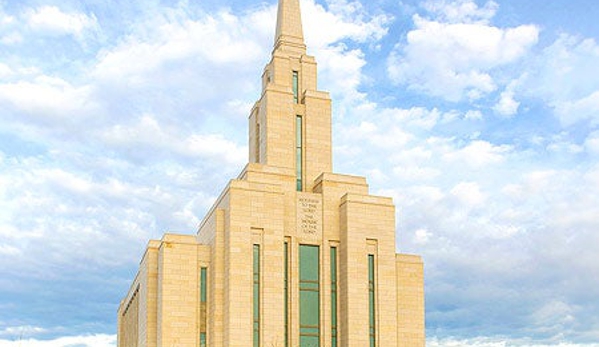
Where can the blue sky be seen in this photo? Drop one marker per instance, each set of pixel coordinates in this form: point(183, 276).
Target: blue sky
point(480, 119)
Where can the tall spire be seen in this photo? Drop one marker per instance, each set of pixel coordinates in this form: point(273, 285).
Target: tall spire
point(289, 24)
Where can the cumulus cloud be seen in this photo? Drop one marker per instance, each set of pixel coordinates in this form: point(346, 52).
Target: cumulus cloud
point(453, 54)
point(148, 135)
point(421, 236)
point(176, 39)
point(491, 220)
point(478, 154)
point(586, 108)
point(507, 105)
point(474, 115)
point(50, 20)
point(99, 340)
point(26, 330)
point(5, 71)
point(592, 143)
point(497, 342)
point(468, 193)
point(47, 96)
point(461, 11)
point(345, 19)
point(566, 77)
point(8, 34)
point(328, 32)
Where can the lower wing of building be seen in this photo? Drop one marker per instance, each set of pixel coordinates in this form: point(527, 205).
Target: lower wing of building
point(272, 266)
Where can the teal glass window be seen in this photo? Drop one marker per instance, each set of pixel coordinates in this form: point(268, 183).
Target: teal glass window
point(298, 151)
point(203, 284)
point(333, 297)
point(371, 301)
point(286, 287)
point(203, 300)
point(257, 144)
point(295, 84)
point(309, 296)
point(256, 306)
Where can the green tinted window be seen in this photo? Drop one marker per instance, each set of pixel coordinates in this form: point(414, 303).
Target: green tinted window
point(203, 272)
point(286, 286)
point(256, 306)
point(295, 87)
point(309, 296)
point(203, 299)
point(371, 300)
point(333, 297)
point(298, 151)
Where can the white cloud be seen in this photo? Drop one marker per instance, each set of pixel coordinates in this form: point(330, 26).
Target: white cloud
point(585, 108)
point(148, 135)
point(566, 77)
point(411, 172)
point(517, 241)
point(7, 33)
point(507, 105)
point(47, 97)
point(422, 236)
point(554, 312)
point(217, 40)
point(5, 19)
point(478, 154)
point(474, 115)
point(592, 143)
point(419, 117)
point(469, 194)
point(213, 56)
point(26, 330)
point(343, 20)
point(461, 11)
point(8, 250)
point(497, 342)
point(454, 59)
point(50, 20)
point(99, 340)
point(5, 71)
point(342, 73)
point(340, 68)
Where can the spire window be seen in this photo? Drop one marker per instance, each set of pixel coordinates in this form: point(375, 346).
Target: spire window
point(295, 87)
point(298, 152)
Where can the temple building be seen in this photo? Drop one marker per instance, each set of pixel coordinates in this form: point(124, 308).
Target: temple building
point(291, 254)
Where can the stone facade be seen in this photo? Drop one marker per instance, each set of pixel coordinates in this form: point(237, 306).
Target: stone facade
point(290, 254)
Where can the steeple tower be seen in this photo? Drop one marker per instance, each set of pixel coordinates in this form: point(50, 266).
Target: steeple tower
point(289, 25)
point(290, 126)
point(291, 254)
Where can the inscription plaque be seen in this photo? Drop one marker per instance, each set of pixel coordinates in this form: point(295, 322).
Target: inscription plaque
point(309, 214)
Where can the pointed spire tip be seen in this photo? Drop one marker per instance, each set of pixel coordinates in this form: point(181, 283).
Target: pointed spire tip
point(289, 23)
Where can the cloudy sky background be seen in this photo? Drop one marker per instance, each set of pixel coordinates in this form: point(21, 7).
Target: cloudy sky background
point(121, 120)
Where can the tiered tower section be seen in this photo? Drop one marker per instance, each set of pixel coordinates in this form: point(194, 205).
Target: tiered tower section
point(290, 126)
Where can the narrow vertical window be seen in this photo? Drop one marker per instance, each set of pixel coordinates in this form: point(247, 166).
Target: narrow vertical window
point(371, 300)
point(298, 152)
point(256, 306)
point(203, 300)
point(286, 286)
point(257, 144)
point(309, 296)
point(295, 87)
point(333, 297)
